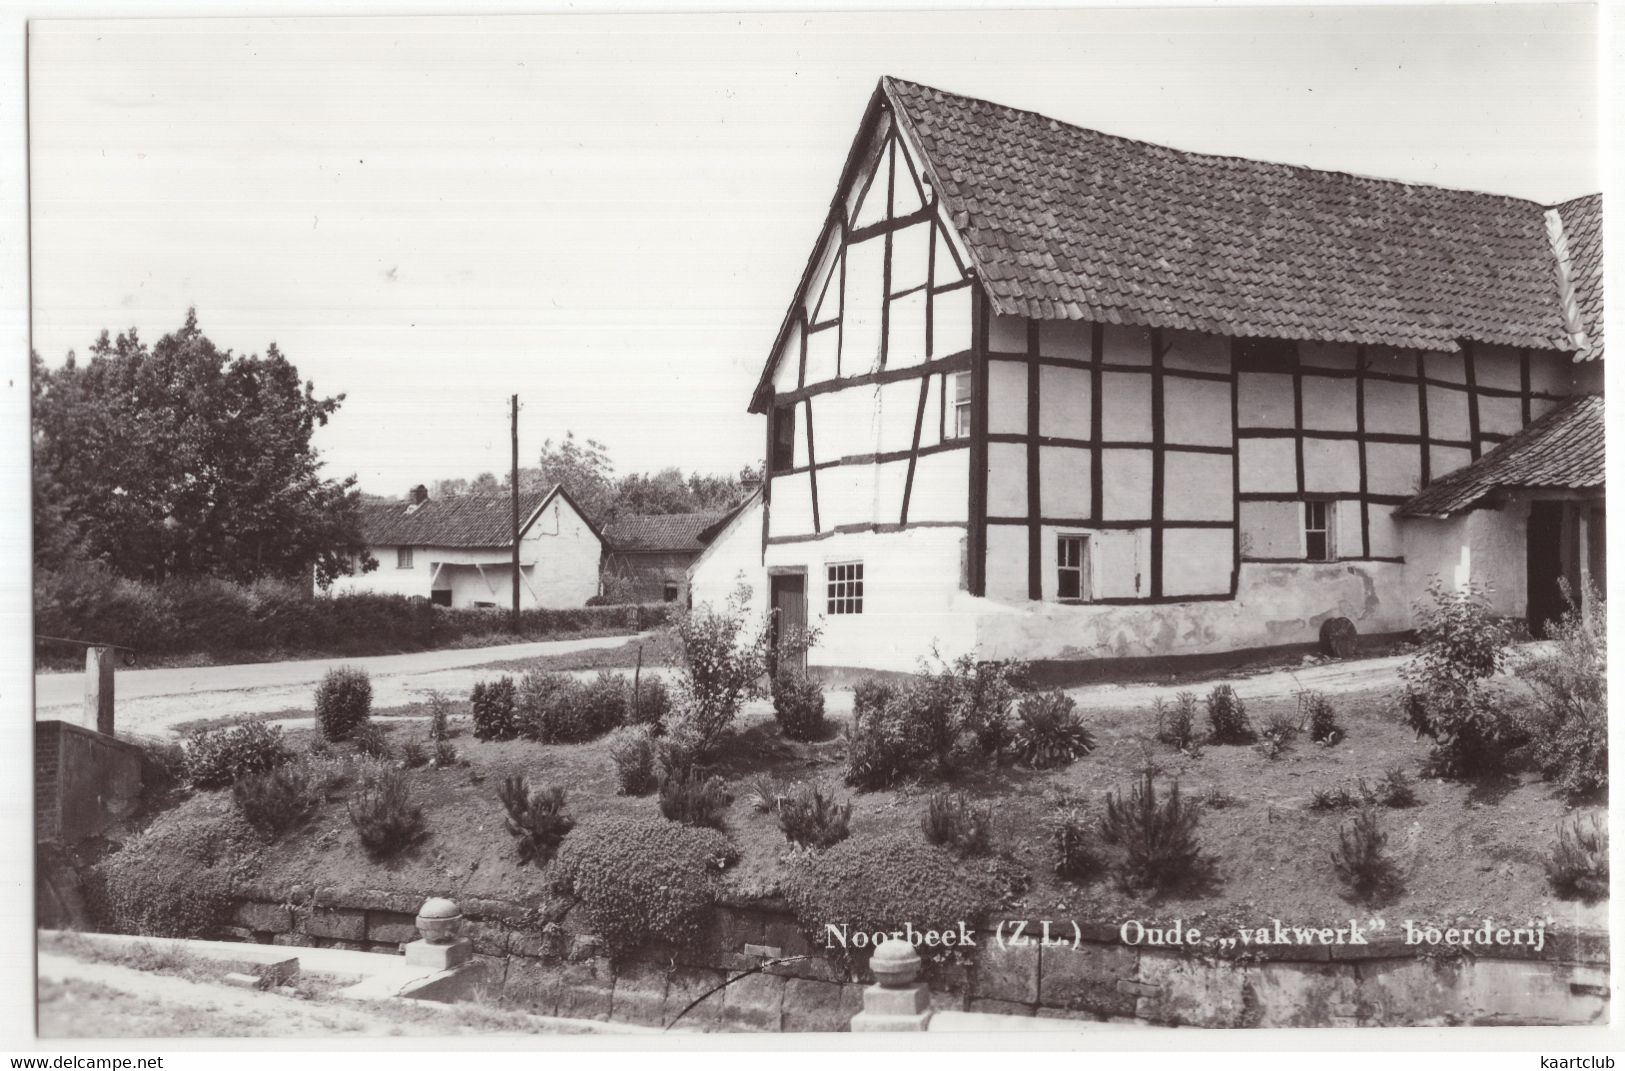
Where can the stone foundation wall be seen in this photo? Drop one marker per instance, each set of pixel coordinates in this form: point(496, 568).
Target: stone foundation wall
point(552, 968)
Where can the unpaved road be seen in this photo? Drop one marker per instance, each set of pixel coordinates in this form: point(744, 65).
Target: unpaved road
point(153, 700)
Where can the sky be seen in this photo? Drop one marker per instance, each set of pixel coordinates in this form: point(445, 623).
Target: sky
point(607, 215)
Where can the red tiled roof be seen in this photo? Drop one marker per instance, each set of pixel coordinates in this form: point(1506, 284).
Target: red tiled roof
point(1068, 223)
point(1563, 449)
point(460, 521)
point(1582, 228)
point(660, 531)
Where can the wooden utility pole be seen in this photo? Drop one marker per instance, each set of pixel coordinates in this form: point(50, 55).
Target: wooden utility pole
point(514, 488)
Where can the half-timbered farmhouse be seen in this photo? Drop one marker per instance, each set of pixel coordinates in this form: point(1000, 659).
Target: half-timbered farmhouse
point(1048, 393)
point(458, 551)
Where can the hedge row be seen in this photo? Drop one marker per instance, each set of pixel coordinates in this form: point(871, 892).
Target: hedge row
point(208, 616)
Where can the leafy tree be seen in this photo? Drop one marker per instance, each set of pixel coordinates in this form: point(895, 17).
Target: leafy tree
point(583, 467)
point(182, 459)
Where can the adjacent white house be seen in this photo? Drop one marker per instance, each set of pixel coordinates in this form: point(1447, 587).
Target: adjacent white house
point(1047, 393)
point(457, 552)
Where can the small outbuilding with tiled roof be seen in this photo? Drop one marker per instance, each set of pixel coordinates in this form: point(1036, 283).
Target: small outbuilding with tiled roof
point(649, 554)
point(458, 551)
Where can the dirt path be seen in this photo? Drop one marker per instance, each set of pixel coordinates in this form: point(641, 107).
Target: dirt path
point(152, 700)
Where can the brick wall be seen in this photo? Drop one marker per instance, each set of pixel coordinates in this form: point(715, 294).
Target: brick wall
point(84, 781)
point(651, 571)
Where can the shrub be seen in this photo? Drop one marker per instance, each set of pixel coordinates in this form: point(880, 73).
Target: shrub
point(632, 750)
point(439, 717)
point(988, 692)
point(445, 754)
point(1569, 722)
point(798, 704)
point(922, 723)
point(651, 702)
point(536, 818)
point(492, 706)
point(810, 819)
point(1332, 799)
point(871, 694)
point(879, 752)
point(722, 662)
point(641, 880)
point(1050, 732)
point(1445, 697)
point(1395, 789)
point(384, 816)
point(691, 797)
point(765, 794)
point(1227, 717)
point(547, 708)
point(343, 702)
point(953, 822)
point(280, 799)
point(414, 755)
point(1158, 837)
point(1316, 711)
point(215, 758)
point(176, 878)
point(1578, 864)
point(1176, 724)
point(1217, 799)
point(1070, 829)
point(880, 883)
point(603, 704)
point(371, 740)
point(1360, 859)
point(1277, 735)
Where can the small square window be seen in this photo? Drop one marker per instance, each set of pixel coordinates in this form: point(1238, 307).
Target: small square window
point(1318, 518)
point(671, 591)
point(845, 592)
point(403, 557)
point(1072, 567)
point(958, 422)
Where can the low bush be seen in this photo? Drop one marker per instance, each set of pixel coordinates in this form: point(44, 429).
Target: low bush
point(1395, 789)
point(798, 705)
point(690, 796)
point(641, 880)
point(1578, 864)
point(384, 816)
point(371, 740)
point(1157, 836)
point(1176, 723)
point(1568, 724)
point(444, 755)
point(1070, 828)
point(343, 702)
point(439, 717)
point(651, 702)
point(1446, 696)
point(632, 751)
point(952, 821)
point(1277, 735)
point(765, 794)
point(492, 706)
point(1227, 717)
point(987, 695)
point(722, 657)
point(536, 818)
point(280, 799)
point(880, 883)
point(414, 755)
point(603, 704)
point(545, 707)
point(1361, 859)
point(1050, 731)
point(1217, 799)
point(215, 758)
point(177, 877)
point(879, 751)
point(810, 819)
point(1316, 712)
point(1332, 799)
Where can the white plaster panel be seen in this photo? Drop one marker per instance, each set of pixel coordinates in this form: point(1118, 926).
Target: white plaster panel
point(946, 270)
point(931, 429)
point(844, 422)
point(950, 322)
point(1007, 397)
point(1063, 402)
point(1390, 408)
point(890, 479)
point(1550, 373)
point(875, 203)
point(1390, 361)
point(787, 362)
point(823, 347)
point(909, 249)
point(799, 453)
point(1539, 407)
point(860, 341)
point(905, 331)
point(1197, 561)
point(1120, 557)
point(846, 495)
point(1447, 414)
point(1271, 529)
point(1497, 366)
point(1070, 339)
point(899, 404)
point(1006, 576)
point(1264, 400)
point(1063, 481)
point(1348, 542)
point(791, 511)
point(1392, 468)
point(1006, 479)
point(1331, 465)
point(1198, 487)
point(1125, 477)
point(941, 487)
point(1007, 334)
point(1447, 459)
point(1383, 531)
point(1125, 345)
point(1328, 404)
point(1499, 416)
point(1327, 355)
point(1196, 411)
point(734, 557)
point(1450, 367)
point(1196, 351)
point(1269, 465)
point(1125, 407)
point(824, 292)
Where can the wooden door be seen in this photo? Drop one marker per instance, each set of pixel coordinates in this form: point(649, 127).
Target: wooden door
point(789, 592)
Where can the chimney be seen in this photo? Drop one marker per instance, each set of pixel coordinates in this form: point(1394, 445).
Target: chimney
point(418, 495)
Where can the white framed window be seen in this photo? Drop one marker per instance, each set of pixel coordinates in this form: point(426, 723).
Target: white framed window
point(844, 594)
point(957, 425)
point(1072, 568)
point(403, 557)
point(1319, 530)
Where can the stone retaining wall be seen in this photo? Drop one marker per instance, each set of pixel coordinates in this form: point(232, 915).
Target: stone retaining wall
point(549, 968)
